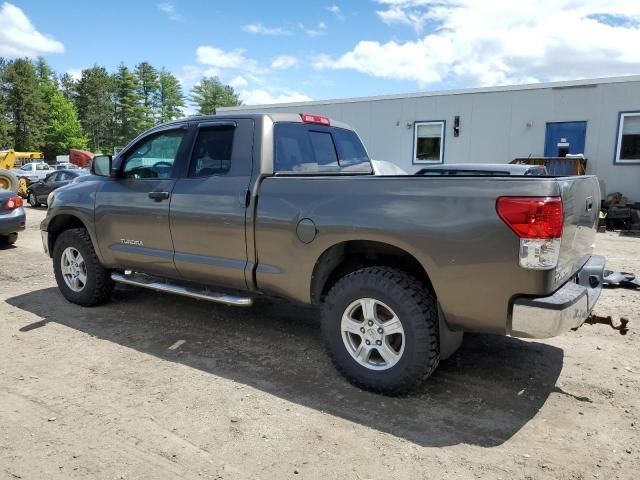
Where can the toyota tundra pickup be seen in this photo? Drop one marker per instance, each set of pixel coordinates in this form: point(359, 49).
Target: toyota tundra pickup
point(230, 208)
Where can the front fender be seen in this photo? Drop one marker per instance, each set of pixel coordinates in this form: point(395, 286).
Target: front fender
point(73, 206)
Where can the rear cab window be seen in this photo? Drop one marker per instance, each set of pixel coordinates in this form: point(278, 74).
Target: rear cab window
point(311, 148)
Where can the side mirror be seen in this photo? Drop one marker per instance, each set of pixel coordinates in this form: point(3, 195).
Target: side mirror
point(101, 165)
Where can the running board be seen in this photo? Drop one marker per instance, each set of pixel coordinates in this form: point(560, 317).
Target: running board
point(145, 281)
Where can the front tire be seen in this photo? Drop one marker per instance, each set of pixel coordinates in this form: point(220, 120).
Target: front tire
point(80, 276)
point(9, 239)
point(380, 329)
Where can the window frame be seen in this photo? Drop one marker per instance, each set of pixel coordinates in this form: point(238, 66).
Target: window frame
point(416, 124)
point(618, 147)
point(123, 157)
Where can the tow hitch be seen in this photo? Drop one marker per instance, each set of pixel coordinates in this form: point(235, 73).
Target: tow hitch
point(621, 327)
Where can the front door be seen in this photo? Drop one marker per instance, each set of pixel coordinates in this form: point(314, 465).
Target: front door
point(132, 210)
point(209, 205)
point(565, 138)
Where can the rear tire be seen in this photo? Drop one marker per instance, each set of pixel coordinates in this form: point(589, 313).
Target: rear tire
point(95, 285)
point(401, 357)
point(33, 200)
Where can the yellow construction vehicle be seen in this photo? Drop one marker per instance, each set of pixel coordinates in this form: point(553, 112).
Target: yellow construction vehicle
point(10, 163)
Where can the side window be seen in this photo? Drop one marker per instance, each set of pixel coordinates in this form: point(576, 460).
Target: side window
point(63, 177)
point(428, 142)
point(154, 157)
point(51, 178)
point(351, 153)
point(212, 151)
point(628, 148)
point(26, 167)
point(300, 148)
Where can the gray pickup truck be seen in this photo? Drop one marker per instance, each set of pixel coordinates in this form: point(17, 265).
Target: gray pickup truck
point(230, 208)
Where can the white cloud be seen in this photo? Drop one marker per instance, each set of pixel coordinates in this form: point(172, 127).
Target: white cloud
point(283, 62)
point(75, 73)
point(260, 29)
point(313, 31)
point(19, 37)
point(238, 82)
point(218, 58)
point(414, 19)
point(170, 10)
point(335, 9)
point(262, 97)
point(493, 42)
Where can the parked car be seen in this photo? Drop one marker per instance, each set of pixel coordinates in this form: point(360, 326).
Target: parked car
point(229, 208)
point(12, 216)
point(64, 166)
point(33, 171)
point(483, 169)
point(38, 192)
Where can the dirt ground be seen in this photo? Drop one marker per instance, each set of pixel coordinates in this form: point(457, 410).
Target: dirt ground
point(153, 386)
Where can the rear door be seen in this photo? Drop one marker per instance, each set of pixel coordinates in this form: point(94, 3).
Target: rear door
point(44, 188)
point(564, 138)
point(209, 205)
point(132, 210)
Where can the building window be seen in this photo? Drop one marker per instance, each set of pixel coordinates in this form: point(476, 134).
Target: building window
point(628, 146)
point(428, 142)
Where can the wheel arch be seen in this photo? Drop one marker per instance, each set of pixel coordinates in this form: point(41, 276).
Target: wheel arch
point(63, 222)
point(348, 256)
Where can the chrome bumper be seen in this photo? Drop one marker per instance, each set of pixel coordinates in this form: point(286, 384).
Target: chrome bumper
point(567, 308)
point(45, 241)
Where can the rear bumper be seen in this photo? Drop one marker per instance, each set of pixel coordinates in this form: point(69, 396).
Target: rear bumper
point(45, 241)
point(567, 308)
point(12, 222)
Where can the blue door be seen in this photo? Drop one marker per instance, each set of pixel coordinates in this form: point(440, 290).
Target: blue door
point(564, 137)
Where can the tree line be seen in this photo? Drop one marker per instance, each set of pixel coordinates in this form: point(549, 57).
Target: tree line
point(41, 110)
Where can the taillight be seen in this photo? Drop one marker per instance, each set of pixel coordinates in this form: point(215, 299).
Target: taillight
point(13, 202)
point(311, 118)
point(537, 221)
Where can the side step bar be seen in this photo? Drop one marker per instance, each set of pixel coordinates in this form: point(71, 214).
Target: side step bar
point(145, 281)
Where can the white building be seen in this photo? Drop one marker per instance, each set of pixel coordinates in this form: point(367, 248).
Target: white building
point(599, 118)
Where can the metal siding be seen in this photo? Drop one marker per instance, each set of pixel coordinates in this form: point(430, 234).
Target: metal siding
point(493, 124)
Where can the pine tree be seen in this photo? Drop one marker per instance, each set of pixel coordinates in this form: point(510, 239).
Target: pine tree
point(6, 128)
point(68, 87)
point(24, 104)
point(171, 98)
point(95, 102)
point(43, 70)
point(129, 111)
point(211, 93)
point(148, 90)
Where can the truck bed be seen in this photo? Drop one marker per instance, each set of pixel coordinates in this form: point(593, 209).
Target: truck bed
point(449, 224)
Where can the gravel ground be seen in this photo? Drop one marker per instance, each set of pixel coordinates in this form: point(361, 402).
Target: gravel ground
point(152, 386)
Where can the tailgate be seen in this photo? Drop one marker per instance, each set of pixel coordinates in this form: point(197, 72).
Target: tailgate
point(581, 204)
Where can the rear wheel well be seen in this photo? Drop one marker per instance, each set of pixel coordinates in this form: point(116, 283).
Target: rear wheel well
point(62, 223)
point(347, 257)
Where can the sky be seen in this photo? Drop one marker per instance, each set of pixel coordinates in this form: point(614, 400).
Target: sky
point(280, 51)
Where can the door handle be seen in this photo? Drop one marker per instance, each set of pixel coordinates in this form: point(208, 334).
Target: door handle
point(589, 204)
point(158, 196)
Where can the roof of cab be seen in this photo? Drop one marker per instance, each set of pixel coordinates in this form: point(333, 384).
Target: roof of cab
point(275, 117)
